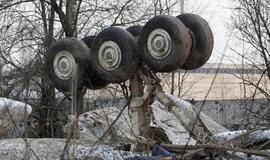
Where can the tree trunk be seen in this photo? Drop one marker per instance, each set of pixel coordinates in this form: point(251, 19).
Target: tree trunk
point(71, 14)
point(140, 113)
point(48, 117)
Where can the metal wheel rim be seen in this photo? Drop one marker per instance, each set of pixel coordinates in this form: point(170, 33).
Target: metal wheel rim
point(159, 43)
point(64, 65)
point(109, 55)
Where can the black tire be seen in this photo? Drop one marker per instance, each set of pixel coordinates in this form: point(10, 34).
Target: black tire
point(126, 65)
point(78, 52)
point(202, 32)
point(135, 30)
point(178, 50)
point(92, 80)
point(88, 40)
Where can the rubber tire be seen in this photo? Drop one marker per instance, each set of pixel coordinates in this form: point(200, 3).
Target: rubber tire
point(128, 46)
point(181, 43)
point(92, 80)
point(204, 40)
point(135, 30)
point(80, 53)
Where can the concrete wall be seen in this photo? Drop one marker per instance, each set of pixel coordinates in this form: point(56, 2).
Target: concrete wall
point(236, 114)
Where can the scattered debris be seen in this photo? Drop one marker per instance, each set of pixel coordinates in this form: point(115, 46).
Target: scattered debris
point(93, 124)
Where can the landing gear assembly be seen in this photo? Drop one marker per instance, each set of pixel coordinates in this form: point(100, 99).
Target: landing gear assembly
point(164, 44)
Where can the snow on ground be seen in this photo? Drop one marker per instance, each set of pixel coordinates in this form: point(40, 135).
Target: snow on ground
point(51, 149)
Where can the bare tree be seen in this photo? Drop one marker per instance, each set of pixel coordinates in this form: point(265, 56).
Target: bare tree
point(251, 25)
point(28, 29)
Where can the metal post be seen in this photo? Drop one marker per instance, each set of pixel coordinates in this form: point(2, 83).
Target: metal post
point(74, 92)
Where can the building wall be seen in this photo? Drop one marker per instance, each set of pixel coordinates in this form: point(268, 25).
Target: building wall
point(196, 84)
point(222, 81)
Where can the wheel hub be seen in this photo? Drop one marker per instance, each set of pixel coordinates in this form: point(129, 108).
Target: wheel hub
point(64, 65)
point(109, 55)
point(159, 43)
